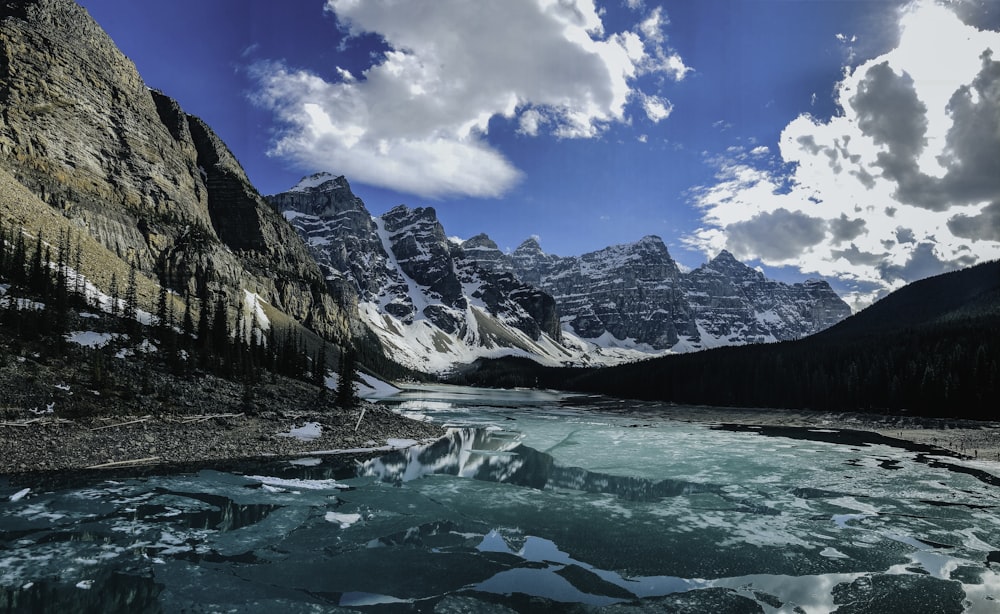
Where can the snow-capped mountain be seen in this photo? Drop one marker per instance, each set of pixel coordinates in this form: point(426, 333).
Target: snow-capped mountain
point(430, 306)
point(629, 293)
point(635, 294)
point(435, 302)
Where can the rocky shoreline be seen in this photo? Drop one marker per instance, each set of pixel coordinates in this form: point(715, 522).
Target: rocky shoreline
point(49, 444)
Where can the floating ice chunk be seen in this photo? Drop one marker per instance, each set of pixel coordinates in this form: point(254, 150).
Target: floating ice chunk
point(20, 494)
point(344, 520)
point(358, 599)
point(307, 432)
point(296, 484)
point(85, 584)
point(833, 553)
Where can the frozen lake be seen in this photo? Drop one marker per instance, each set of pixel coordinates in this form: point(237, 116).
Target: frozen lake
point(532, 503)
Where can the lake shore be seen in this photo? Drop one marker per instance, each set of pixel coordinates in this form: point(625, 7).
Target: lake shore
point(964, 438)
point(50, 444)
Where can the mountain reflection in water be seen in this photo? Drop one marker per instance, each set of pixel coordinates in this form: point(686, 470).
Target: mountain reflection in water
point(493, 456)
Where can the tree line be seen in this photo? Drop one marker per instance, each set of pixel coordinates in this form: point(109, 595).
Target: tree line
point(44, 288)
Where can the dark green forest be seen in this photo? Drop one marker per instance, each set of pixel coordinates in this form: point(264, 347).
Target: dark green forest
point(930, 349)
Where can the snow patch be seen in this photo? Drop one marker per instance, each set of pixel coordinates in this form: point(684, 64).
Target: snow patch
point(89, 338)
point(312, 181)
point(307, 432)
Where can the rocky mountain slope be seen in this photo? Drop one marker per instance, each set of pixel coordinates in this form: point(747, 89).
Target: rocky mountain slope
point(429, 303)
point(636, 294)
point(435, 303)
point(126, 166)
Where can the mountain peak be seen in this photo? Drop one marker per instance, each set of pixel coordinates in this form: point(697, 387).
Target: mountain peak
point(530, 244)
point(725, 257)
point(481, 240)
point(320, 181)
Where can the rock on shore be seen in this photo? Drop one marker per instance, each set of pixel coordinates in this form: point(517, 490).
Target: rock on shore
point(53, 444)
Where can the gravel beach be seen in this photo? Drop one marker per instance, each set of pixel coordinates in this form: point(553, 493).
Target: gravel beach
point(53, 444)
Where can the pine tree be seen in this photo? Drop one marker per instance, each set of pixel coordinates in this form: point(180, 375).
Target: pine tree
point(113, 292)
point(35, 281)
point(161, 309)
point(187, 325)
point(347, 391)
point(80, 287)
point(62, 285)
point(319, 367)
point(131, 309)
point(19, 259)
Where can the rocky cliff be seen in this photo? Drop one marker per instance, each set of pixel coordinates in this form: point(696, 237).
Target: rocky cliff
point(435, 303)
point(154, 185)
point(629, 291)
point(636, 294)
point(431, 302)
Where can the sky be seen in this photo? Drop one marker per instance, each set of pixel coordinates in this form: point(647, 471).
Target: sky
point(853, 140)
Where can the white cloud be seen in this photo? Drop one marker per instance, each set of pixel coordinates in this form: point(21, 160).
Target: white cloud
point(417, 119)
point(657, 109)
point(531, 121)
point(903, 182)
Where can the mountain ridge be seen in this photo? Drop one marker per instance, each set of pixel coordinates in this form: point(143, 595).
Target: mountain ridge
point(621, 303)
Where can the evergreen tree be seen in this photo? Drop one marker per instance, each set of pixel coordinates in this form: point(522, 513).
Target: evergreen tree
point(62, 285)
point(80, 285)
point(19, 260)
point(113, 292)
point(131, 309)
point(35, 273)
point(347, 390)
point(319, 367)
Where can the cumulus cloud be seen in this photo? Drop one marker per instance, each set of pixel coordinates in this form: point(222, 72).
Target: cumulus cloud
point(982, 227)
point(776, 235)
point(902, 182)
point(417, 119)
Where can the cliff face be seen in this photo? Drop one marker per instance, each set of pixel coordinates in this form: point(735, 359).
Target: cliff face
point(431, 302)
point(636, 292)
point(631, 291)
point(79, 129)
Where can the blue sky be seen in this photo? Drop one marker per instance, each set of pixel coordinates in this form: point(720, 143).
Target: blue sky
point(833, 138)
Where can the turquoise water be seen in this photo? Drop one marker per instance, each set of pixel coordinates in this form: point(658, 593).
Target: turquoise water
point(534, 502)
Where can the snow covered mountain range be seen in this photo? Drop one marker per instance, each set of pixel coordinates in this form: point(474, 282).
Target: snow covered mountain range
point(435, 303)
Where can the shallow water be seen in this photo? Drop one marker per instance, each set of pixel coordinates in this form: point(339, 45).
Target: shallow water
point(534, 502)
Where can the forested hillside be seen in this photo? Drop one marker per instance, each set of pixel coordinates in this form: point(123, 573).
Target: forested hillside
point(932, 348)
